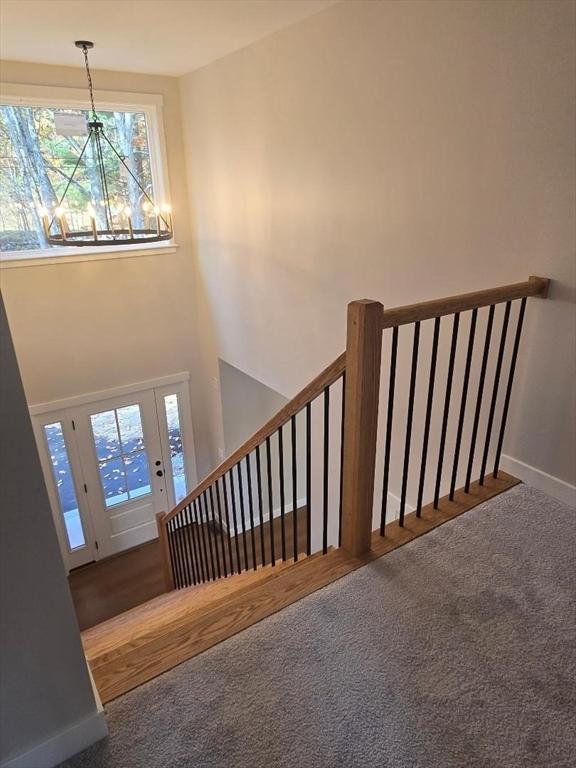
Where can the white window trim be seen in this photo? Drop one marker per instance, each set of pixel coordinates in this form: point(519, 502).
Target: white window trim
point(151, 105)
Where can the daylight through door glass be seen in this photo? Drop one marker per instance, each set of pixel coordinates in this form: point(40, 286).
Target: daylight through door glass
point(64, 484)
point(176, 449)
point(122, 458)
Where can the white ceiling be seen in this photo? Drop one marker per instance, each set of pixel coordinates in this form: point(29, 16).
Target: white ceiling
point(168, 37)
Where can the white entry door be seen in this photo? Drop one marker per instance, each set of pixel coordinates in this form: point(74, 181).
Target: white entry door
point(121, 455)
point(112, 464)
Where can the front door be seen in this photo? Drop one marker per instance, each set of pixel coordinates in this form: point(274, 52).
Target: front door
point(112, 464)
point(121, 454)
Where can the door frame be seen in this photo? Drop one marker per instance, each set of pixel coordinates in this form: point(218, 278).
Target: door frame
point(61, 410)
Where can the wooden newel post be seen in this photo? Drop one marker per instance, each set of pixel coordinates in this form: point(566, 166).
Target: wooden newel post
point(164, 551)
point(363, 357)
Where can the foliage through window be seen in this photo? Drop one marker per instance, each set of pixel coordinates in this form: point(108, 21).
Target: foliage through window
point(37, 161)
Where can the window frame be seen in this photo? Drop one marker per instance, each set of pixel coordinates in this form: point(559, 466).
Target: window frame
point(151, 104)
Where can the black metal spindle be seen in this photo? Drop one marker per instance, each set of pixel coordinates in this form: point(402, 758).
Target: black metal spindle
point(429, 401)
point(509, 387)
point(449, 378)
point(409, 418)
point(308, 478)
point(326, 469)
point(469, 353)
point(479, 396)
point(270, 501)
point(251, 511)
point(228, 525)
point(171, 547)
point(242, 513)
point(282, 491)
point(389, 420)
point(202, 539)
point(495, 389)
point(179, 554)
point(209, 535)
point(196, 545)
point(235, 519)
point(210, 503)
point(260, 505)
point(191, 558)
point(294, 488)
point(342, 417)
point(221, 527)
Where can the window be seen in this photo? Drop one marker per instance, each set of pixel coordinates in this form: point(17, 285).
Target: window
point(122, 458)
point(63, 480)
point(176, 449)
point(39, 150)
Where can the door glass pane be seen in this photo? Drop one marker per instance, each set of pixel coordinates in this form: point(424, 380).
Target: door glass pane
point(64, 484)
point(137, 474)
point(176, 449)
point(106, 437)
point(130, 425)
point(123, 461)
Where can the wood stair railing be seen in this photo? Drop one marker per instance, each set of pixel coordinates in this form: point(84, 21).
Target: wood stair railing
point(207, 536)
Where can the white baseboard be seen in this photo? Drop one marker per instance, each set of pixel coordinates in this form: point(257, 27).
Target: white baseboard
point(63, 745)
point(553, 486)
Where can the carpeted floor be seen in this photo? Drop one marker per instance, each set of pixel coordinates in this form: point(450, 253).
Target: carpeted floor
point(455, 651)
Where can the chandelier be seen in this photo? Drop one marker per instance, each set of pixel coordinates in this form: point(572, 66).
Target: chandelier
point(111, 220)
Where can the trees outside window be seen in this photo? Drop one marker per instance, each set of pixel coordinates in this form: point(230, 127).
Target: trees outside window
point(36, 164)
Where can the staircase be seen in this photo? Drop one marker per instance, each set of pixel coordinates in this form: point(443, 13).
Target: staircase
point(295, 507)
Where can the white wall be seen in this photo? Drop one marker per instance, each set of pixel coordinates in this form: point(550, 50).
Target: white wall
point(401, 151)
point(83, 327)
point(46, 690)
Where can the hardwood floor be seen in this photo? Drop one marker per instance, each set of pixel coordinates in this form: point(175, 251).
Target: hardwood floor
point(112, 586)
point(151, 639)
point(109, 587)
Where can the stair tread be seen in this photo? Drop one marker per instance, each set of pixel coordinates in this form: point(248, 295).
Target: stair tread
point(163, 613)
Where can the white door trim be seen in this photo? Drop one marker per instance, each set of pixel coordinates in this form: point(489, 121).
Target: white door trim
point(105, 394)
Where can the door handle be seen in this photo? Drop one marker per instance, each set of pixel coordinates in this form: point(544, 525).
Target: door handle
point(160, 473)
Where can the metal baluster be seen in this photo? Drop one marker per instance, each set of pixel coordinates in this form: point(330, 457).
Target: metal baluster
point(270, 501)
point(430, 399)
point(242, 516)
point(478, 408)
point(210, 502)
point(260, 505)
point(179, 554)
point(251, 511)
point(343, 415)
point(202, 538)
point(282, 495)
point(495, 390)
point(325, 469)
point(191, 557)
point(196, 545)
point(389, 419)
point(172, 548)
point(409, 421)
point(509, 387)
point(308, 478)
point(449, 377)
point(465, 383)
point(206, 523)
point(228, 526)
point(221, 526)
point(235, 519)
point(294, 489)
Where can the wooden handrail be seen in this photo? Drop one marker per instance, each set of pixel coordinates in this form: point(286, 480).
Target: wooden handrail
point(411, 313)
point(328, 376)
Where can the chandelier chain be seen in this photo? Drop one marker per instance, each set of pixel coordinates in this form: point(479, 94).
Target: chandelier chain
point(89, 77)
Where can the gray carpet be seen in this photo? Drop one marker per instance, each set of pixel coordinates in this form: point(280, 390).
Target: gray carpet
point(456, 651)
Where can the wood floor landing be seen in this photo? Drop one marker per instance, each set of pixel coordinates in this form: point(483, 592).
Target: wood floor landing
point(130, 649)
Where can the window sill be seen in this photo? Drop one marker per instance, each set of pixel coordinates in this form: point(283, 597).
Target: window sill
point(16, 259)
